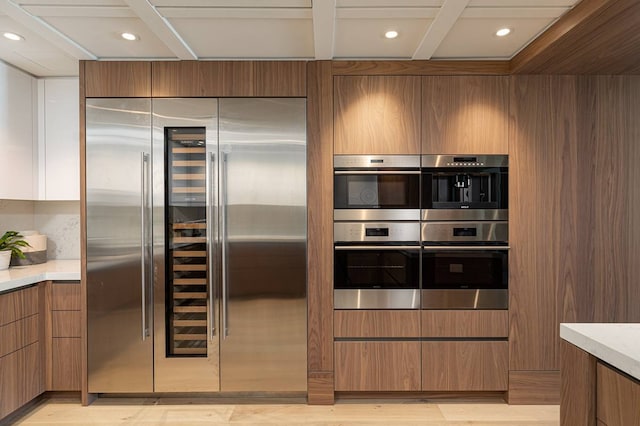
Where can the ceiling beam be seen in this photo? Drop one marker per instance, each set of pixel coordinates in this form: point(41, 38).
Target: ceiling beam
point(324, 25)
point(45, 30)
point(439, 28)
point(161, 27)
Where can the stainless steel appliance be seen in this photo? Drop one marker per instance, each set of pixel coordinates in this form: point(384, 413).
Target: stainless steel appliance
point(196, 245)
point(376, 187)
point(376, 265)
point(465, 187)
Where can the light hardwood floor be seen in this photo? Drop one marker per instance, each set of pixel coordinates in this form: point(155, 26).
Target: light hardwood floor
point(119, 411)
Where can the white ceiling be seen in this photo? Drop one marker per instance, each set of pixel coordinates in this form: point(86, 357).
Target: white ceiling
point(59, 32)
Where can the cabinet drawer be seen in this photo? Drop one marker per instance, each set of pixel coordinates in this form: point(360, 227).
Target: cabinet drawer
point(18, 304)
point(376, 323)
point(465, 366)
point(18, 334)
point(66, 366)
point(21, 378)
point(618, 398)
point(377, 366)
point(465, 323)
point(66, 324)
point(65, 296)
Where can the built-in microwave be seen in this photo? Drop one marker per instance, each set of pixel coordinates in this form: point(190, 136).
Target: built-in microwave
point(464, 187)
point(376, 187)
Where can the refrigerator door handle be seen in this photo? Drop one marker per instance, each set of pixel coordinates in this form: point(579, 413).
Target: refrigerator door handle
point(212, 244)
point(223, 232)
point(144, 162)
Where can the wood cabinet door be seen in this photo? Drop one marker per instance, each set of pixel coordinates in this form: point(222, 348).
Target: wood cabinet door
point(117, 79)
point(465, 366)
point(618, 398)
point(377, 366)
point(376, 323)
point(377, 115)
point(66, 355)
point(465, 115)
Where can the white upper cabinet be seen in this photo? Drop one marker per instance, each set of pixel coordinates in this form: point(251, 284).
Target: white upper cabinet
point(58, 139)
point(17, 130)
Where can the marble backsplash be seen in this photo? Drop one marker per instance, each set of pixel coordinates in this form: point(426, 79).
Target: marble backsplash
point(58, 220)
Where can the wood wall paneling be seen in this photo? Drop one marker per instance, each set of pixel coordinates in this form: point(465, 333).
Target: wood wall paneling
point(377, 366)
point(542, 211)
point(465, 323)
point(377, 115)
point(631, 138)
point(578, 386)
point(376, 323)
point(465, 366)
point(465, 115)
point(280, 78)
point(203, 78)
point(116, 79)
point(319, 230)
point(618, 398)
point(420, 67)
point(534, 387)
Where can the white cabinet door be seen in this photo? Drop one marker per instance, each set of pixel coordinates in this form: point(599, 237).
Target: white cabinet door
point(17, 142)
point(59, 140)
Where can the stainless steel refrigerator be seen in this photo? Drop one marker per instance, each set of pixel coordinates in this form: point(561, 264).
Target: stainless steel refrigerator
point(196, 245)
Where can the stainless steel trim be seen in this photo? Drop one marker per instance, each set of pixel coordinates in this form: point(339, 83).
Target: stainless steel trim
point(376, 214)
point(376, 161)
point(464, 214)
point(376, 172)
point(356, 231)
point(447, 161)
point(377, 247)
point(458, 248)
point(225, 246)
point(465, 299)
point(497, 231)
point(376, 299)
point(144, 157)
point(212, 242)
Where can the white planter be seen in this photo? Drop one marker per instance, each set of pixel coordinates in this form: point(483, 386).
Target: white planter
point(5, 258)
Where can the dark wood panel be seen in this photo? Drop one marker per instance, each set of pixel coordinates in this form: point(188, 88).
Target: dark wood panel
point(21, 378)
point(66, 324)
point(377, 366)
point(377, 115)
point(280, 78)
point(65, 296)
point(18, 334)
point(542, 211)
point(18, 304)
point(465, 115)
point(595, 37)
point(420, 67)
point(320, 218)
point(618, 398)
point(534, 387)
point(578, 386)
point(66, 373)
point(465, 323)
point(632, 136)
point(203, 78)
point(117, 79)
point(376, 323)
point(320, 388)
point(465, 366)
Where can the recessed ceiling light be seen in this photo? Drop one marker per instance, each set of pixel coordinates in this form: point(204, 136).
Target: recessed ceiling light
point(503, 32)
point(13, 36)
point(391, 34)
point(129, 36)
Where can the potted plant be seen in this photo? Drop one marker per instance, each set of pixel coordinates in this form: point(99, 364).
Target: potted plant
point(10, 244)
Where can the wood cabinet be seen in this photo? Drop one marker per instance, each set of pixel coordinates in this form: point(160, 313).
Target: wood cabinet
point(377, 115)
point(618, 398)
point(465, 115)
point(117, 79)
point(465, 365)
point(376, 323)
point(465, 323)
point(21, 369)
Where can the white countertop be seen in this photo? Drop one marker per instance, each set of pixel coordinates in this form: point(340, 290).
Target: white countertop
point(53, 270)
point(617, 344)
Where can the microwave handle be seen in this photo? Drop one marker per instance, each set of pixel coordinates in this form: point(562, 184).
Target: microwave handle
point(376, 172)
point(377, 247)
point(454, 248)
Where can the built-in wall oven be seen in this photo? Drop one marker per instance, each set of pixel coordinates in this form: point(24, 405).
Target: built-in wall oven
point(377, 265)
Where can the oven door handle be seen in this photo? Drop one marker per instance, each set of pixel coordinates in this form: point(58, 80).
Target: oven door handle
point(377, 247)
point(454, 248)
point(376, 172)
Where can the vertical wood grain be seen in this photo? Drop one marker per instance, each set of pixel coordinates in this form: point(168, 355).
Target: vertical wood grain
point(618, 398)
point(376, 323)
point(280, 78)
point(464, 323)
point(319, 230)
point(203, 78)
point(632, 138)
point(117, 79)
point(542, 209)
point(377, 114)
point(534, 387)
point(66, 374)
point(18, 304)
point(65, 296)
point(465, 115)
point(578, 386)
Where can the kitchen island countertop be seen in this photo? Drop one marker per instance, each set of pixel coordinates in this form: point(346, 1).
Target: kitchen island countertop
point(53, 270)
